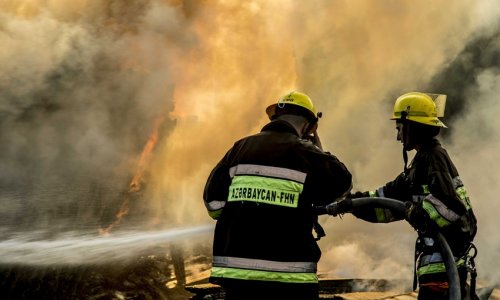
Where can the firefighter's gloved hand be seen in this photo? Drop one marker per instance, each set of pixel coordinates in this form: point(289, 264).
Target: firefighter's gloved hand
point(418, 218)
point(339, 207)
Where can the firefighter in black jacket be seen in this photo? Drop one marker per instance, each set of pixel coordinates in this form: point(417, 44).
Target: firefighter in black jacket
point(262, 194)
point(433, 192)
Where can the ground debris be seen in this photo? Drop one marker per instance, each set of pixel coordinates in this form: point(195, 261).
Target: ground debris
point(371, 296)
point(340, 289)
point(145, 278)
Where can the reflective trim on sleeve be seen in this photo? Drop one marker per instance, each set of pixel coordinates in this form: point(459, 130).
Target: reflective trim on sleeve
point(380, 214)
point(266, 190)
point(215, 214)
point(215, 208)
point(425, 189)
point(457, 182)
point(417, 198)
point(244, 274)
point(464, 197)
point(459, 187)
point(384, 215)
point(264, 265)
point(380, 192)
point(276, 172)
point(439, 212)
point(215, 205)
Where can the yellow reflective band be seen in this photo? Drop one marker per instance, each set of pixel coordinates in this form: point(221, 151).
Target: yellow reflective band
point(434, 214)
point(215, 214)
point(425, 189)
point(372, 194)
point(462, 194)
point(380, 213)
point(244, 274)
point(265, 190)
point(436, 268)
point(431, 269)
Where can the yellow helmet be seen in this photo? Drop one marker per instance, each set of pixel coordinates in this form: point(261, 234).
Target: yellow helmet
point(294, 98)
point(420, 107)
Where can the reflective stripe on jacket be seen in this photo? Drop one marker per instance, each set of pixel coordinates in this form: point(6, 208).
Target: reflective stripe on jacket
point(433, 181)
point(264, 270)
point(262, 194)
point(433, 263)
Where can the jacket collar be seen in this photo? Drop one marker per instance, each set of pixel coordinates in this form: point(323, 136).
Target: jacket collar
point(429, 144)
point(280, 126)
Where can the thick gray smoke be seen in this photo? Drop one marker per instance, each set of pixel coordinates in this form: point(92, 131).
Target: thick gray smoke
point(79, 97)
point(474, 139)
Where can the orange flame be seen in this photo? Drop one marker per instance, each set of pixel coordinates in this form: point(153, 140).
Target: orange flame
point(138, 178)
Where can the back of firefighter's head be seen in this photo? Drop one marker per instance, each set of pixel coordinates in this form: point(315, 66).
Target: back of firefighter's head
point(416, 119)
point(295, 104)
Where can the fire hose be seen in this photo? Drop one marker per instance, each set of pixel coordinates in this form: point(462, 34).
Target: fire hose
point(449, 261)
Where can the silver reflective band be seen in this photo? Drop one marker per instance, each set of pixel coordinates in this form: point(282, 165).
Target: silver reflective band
point(275, 172)
point(442, 209)
point(457, 182)
point(429, 241)
point(429, 259)
point(264, 265)
point(380, 192)
point(417, 198)
point(215, 205)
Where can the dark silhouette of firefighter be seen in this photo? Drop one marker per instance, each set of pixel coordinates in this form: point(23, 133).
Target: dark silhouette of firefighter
point(262, 194)
point(434, 195)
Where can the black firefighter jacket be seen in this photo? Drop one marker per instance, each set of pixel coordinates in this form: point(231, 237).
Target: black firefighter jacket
point(433, 183)
point(262, 194)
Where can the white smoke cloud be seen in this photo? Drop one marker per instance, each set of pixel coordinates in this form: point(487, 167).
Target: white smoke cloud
point(476, 144)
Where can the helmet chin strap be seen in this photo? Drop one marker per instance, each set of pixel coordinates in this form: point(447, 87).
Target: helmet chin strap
point(405, 136)
point(405, 159)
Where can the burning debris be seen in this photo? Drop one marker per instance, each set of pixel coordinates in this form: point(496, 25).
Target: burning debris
point(136, 183)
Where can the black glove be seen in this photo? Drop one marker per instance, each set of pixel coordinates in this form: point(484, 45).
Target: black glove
point(418, 218)
point(339, 207)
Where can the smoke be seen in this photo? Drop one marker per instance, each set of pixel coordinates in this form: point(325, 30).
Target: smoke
point(81, 86)
point(83, 83)
point(476, 145)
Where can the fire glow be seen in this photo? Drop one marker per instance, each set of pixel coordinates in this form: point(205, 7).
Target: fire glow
point(137, 180)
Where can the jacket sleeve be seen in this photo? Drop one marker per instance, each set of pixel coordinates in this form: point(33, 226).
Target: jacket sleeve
point(397, 189)
point(443, 204)
point(332, 182)
point(217, 188)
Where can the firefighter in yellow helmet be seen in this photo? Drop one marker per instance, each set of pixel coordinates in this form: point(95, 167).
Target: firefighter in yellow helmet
point(262, 194)
point(433, 192)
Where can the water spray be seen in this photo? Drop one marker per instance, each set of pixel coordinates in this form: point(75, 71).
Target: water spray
point(77, 249)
